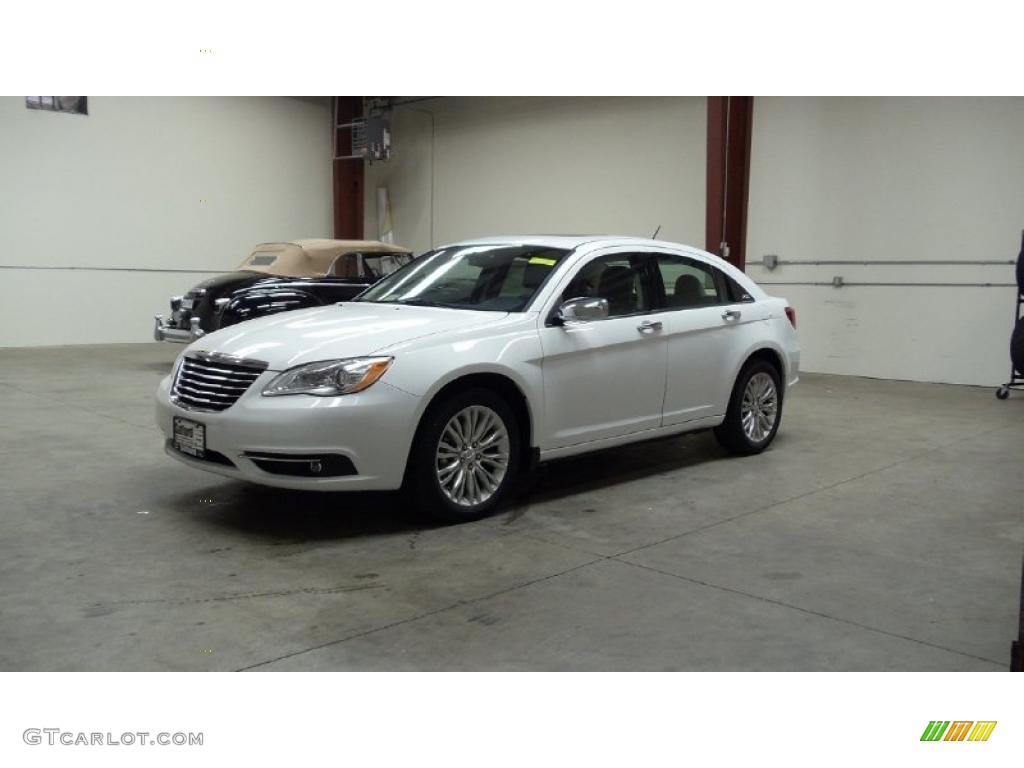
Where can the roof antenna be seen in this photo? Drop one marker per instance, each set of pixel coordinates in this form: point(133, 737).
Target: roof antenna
point(655, 235)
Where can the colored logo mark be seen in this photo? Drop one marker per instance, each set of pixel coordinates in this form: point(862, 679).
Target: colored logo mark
point(958, 730)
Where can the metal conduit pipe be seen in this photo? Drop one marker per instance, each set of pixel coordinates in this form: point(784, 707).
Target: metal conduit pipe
point(118, 269)
point(843, 284)
point(770, 262)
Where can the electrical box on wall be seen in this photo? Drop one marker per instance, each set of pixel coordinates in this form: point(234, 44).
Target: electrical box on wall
point(370, 140)
point(377, 139)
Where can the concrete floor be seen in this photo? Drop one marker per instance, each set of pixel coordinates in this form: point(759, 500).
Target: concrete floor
point(883, 531)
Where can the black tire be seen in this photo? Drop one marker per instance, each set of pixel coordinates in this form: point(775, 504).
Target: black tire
point(730, 433)
point(1002, 393)
point(422, 472)
point(1017, 347)
point(1020, 267)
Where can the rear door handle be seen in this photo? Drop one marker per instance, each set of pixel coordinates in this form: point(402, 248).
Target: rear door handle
point(731, 314)
point(649, 325)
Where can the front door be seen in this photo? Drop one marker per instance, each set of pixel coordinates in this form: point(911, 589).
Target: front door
point(605, 378)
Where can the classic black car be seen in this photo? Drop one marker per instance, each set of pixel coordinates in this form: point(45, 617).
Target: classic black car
point(277, 277)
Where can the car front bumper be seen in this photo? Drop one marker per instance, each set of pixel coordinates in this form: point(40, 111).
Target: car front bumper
point(372, 429)
point(164, 331)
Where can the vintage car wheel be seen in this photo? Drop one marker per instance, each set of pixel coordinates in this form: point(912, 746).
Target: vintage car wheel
point(466, 456)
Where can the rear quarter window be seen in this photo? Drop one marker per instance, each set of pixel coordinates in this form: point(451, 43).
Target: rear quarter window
point(734, 291)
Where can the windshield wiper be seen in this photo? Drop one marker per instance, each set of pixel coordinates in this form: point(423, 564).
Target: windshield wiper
point(421, 303)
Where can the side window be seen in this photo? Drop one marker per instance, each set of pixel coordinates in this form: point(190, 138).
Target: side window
point(736, 293)
point(688, 282)
point(345, 265)
point(619, 279)
point(377, 265)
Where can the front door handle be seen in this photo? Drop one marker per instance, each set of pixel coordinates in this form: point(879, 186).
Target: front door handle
point(649, 325)
point(731, 314)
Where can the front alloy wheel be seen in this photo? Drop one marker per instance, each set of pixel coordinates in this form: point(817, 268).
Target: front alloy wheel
point(472, 456)
point(466, 455)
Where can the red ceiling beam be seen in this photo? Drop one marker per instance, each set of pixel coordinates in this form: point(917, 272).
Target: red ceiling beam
point(730, 119)
point(348, 174)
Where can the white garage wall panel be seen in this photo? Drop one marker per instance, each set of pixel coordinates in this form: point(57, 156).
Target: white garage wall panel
point(122, 188)
point(545, 165)
point(892, 179)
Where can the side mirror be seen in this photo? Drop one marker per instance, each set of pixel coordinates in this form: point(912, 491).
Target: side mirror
point(583, 310)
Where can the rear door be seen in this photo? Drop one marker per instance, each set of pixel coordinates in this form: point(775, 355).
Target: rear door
point(702, 324)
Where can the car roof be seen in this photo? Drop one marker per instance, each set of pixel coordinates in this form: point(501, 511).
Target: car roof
point(311, 257)
point(318, 245)
point(571, 241)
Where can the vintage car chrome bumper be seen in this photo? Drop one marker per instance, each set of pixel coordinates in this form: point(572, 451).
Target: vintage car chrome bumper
point(163, 331)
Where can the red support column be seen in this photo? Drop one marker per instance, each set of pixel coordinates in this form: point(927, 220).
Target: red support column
point(730, 119)
point(348, 174)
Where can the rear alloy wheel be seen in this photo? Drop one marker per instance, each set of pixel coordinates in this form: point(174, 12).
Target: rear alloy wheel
point(466, 456)
point(759, 409)
point(755, 410)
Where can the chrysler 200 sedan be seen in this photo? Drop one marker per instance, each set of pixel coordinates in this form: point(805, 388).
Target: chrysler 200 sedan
point(454, 374)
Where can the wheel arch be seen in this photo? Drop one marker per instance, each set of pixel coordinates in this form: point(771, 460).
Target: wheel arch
point(502, 384)
point(770, 355)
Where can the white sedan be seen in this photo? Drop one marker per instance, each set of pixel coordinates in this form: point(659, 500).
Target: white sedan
point(454, 374)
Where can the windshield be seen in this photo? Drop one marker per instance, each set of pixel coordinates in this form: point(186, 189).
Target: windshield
point(499, 278)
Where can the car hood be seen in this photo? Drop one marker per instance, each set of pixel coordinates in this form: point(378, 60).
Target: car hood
point(218, 285)
point(349, 329)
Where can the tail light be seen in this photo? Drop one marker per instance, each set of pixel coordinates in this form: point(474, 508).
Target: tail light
point(791, 314)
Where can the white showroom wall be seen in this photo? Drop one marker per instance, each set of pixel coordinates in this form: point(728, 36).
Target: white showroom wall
point(146, 185)
point(544, 165)
point(892, 179)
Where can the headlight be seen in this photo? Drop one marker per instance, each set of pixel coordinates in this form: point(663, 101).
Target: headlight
point(329, 377)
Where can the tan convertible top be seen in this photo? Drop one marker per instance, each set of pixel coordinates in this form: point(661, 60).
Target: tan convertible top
point(309, 258)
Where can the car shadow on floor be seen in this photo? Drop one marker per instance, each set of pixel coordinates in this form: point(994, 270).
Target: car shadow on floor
point(614, 466)
point(282, 516)
point(290, 517)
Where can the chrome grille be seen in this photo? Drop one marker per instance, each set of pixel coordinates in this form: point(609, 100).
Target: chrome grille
point(213, 382)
